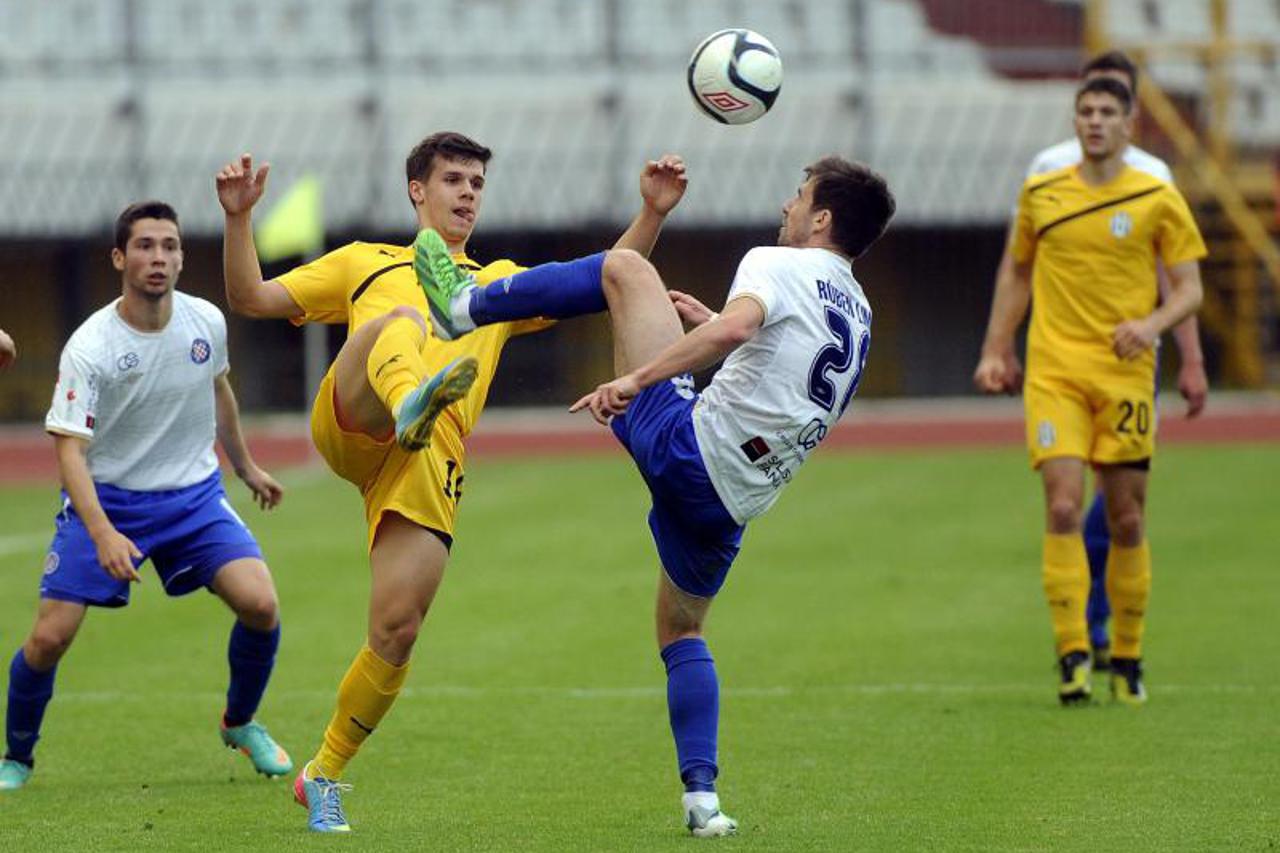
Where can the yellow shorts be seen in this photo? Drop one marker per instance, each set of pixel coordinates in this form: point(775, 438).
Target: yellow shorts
point(1102, 420)
point(423, 486)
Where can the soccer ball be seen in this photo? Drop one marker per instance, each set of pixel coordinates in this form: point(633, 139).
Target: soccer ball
point(735, 76)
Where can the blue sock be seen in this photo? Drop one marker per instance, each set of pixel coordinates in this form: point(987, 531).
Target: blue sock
point(29, 695)
point(693, 703)
point(557, 290)
point(251, 654)
point(1097, 542)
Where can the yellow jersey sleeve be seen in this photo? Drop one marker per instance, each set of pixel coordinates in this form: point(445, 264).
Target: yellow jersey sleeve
point(1177, 237)
point(322, 287)
point(1024, 229)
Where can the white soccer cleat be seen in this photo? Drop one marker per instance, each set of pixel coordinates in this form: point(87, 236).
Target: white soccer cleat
point(703, 817)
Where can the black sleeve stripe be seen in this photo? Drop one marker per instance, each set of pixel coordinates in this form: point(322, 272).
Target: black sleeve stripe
point(364, 285)
point(1102, 206)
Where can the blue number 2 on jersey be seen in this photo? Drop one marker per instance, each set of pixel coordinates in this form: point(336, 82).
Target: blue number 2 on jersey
point(834, 360)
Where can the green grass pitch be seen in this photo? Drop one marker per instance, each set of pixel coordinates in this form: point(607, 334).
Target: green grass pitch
point(882, 644)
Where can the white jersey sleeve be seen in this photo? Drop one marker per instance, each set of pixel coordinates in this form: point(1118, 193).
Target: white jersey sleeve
point(75, 396)
point(217, 324)
point(758, 279)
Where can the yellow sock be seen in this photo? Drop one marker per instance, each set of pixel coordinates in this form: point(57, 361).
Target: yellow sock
point(1066, 588)
point(395, 365)
point(365, 695)
point(1128, 588)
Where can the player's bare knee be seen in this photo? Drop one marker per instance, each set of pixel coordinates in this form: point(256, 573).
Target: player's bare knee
point(1063, 514)
point(627, 268)
point(46, 646)
point(393, 638)
point(406, 311)
point(1127, 527)
point(259, 612)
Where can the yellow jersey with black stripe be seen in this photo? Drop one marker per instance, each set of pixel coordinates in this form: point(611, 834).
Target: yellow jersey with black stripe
point(1094, 250)
point(361, 282)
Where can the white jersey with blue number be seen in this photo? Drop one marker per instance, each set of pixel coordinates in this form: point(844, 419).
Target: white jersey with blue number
point(777, 395)
point(144, 400)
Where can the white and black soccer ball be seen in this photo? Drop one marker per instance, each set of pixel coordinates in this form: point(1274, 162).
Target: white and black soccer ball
point(735, 76)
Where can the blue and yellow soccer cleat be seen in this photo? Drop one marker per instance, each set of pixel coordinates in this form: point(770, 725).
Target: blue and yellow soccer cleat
point(268, 757)
point(442, 281)
point(421, 406)
point(13, 774)
point(322, 798)
point(1074, 685)
point(1126, 682)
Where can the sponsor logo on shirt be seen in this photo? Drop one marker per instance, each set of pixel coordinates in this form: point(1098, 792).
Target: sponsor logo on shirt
point(200, 350)
point(812, 434)
point(755, 448)
point(128, 361)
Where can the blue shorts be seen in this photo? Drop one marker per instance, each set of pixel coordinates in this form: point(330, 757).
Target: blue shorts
point(697, 539)
point(188, 534)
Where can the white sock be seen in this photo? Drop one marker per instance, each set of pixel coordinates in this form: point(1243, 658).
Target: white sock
point(460, 310)
point(704, 799)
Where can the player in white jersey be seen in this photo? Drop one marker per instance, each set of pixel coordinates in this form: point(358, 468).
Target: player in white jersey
point(142, 393)
point(1193, 383)
point(793, 334)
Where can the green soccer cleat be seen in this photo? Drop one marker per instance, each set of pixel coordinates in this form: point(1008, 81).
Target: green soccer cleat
point(442, 281)
point(322, 798)
point(1126, 682)
point(13, 774)
point(420, 408)
point(268, 757)
point(1074, 688)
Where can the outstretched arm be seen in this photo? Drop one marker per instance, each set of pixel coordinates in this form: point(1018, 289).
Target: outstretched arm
point(266, 491)
point(999, 370)
point(709, 343)
point(239, 188)
point(662, 184)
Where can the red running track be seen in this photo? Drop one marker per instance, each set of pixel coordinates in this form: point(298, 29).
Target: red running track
point(26, 453)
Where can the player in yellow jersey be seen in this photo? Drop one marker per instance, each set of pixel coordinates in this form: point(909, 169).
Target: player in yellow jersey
point(1192, 382)
point(391, 364)
point(1085, 246)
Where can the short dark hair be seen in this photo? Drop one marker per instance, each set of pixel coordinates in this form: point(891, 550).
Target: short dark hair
point(1113, 60)
point(141, 210)
point(448, 144)
point(1108, 86)
point(858, 199)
